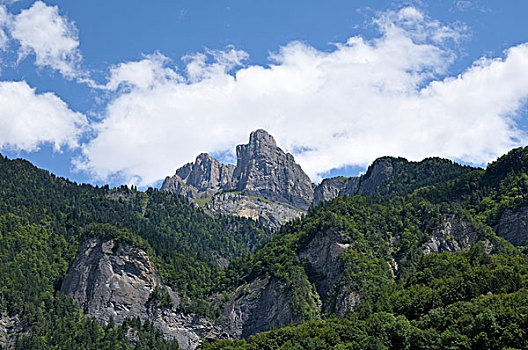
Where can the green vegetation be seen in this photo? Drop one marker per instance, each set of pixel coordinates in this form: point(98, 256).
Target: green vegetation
point(473, 299)
point(59, 324)
point(202, 201)
point(43, 219)
point(465, 300)
point(409, 176)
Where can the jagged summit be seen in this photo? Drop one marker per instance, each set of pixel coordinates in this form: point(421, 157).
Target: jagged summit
point(260, 138)
point(263, 170)
point(201, 178)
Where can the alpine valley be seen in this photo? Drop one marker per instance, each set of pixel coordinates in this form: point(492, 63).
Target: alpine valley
point(410, 255)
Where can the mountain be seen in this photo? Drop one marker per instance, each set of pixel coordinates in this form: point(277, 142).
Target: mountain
point(421, 255)
point(266, 184)
point(201, 179)
point(48, 224)
point(388, 176)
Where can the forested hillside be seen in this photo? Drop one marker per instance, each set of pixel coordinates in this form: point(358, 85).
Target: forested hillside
point(423, 269)
point(44, 218)
point(433, 258)
point(464, 300)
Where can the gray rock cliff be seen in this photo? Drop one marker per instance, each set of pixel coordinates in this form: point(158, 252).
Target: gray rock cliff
point(324, 250)
point(203, 178)
point(329, 189)
point(115, 280)
point(513, 226)
point(379, 171)
point(334, 187)
point(270, 214)
point(262, 171)
point(452, 235)
point(376, 174)
point(257, 307)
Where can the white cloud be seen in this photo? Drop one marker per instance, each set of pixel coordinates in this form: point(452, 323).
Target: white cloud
point(28, 119)
point(3, 23)
point(364, 99)
point(53, 39)
point(143, 74)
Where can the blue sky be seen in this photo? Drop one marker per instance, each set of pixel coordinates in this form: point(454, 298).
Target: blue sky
point(127, 91)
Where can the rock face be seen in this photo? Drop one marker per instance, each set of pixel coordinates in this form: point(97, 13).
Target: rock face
point(10, 329)
point(329, 189)
point(270, 214)
point(323, 254)
point(263, 170)
point(257, 307)
point(513, 226)
point(376, 174)
point(115, 280)
point(203, 178)
point(452, 235)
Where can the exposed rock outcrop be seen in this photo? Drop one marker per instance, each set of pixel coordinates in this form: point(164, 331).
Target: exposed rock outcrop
point(257, 307)
point(263, 170)
point(108, 279)
point(116, 280)
point(270, 214)
point(513, 226)
point(329, 189)
point(388, 176)
point(453, 234)
point(377, 173)
point(323, 253)
point(10, 329)
point(201, 179)
point(334, 187)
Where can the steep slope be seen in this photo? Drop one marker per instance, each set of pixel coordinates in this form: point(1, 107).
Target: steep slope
point(497, 195)
point(44, 219)
point(389, 176)
point(264, 170)
point(201, 179)
point(464, 300)
point(266, 184)
point(114, 281)
point(331, 260)
point(153, 255)
point(346, 249)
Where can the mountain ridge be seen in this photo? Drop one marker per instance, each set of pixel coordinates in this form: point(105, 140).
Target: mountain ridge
point(422, 236)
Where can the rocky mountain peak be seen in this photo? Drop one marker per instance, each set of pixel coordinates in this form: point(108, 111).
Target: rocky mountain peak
point(201, 178)
point(260, 138)
point(263, 170)
point(377, 173)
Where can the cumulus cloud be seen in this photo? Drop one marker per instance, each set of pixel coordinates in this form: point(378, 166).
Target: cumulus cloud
point(366, 98)
point(53, 39)
point(28, 119)
point(142, 74)
point(3, 24)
